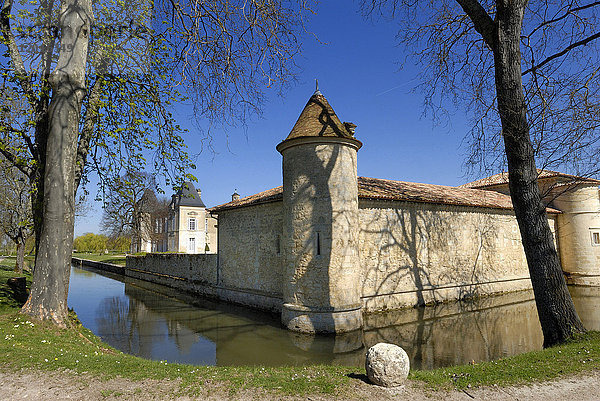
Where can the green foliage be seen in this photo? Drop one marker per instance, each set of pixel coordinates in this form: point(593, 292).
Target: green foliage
point(119, 244)
point(91, 242)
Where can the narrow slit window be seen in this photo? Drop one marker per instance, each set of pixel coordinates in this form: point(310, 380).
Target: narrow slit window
point(278, 245)
point(596, 238)
point(318, 243)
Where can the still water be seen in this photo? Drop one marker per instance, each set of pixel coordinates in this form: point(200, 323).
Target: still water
point(156, 322)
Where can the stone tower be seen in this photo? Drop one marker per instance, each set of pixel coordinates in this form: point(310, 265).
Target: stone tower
point(321, 291)
point(579, 232)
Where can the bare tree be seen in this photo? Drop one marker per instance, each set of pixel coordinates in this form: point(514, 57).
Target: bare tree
point(99, 77)
point(127, 208)
point(528, 72)
point(15, 209)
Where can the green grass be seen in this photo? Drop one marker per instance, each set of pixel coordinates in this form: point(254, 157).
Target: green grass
point(25, 344)
point(582, 354)
point(115, 259)
point(41, 346)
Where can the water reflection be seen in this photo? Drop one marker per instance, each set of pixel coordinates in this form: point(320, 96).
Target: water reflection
point(156, 322)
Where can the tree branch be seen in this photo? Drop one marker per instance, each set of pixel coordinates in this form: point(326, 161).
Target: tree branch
point(484, 24)
point(15, 56)
point(16, 161)
point(565, 15)
point(563, 52)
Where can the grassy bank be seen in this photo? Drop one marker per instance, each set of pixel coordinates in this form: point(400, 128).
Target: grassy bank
point(32, 345)
point(114, 258)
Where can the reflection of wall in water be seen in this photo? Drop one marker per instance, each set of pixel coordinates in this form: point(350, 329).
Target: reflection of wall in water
point(242, 337)
point(458, 333)
point(587, 305)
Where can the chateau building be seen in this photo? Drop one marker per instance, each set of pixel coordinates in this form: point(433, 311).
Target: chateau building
point(329, 247)
point(190, 227)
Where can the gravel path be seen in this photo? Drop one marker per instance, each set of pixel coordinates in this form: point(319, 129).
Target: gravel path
point(32, 385)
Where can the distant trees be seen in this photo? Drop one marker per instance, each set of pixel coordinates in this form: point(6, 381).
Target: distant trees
point(529, 73)
point(91, 242)
point(16, 219)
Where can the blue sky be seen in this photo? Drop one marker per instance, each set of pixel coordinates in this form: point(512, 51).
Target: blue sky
point(358, 73)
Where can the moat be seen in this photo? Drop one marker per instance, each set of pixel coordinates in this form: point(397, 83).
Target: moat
point(156, 322)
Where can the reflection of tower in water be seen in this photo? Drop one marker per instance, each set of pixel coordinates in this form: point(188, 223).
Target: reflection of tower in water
point(153, 319)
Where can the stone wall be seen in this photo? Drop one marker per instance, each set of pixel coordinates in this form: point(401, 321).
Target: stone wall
point(250, 249)
point(195, 273)
point(418, 253)
point(410, 254)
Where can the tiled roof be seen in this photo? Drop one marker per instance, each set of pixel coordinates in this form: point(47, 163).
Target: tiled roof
point(374, 188)
point(319, 119)
point(502, 178)
point(270, 195)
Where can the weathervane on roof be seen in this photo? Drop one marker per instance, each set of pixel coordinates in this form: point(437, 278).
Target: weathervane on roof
point(317, 91)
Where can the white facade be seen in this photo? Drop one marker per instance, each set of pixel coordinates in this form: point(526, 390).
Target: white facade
point(190, 227)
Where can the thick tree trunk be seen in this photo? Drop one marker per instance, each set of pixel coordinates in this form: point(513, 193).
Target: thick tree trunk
point(555, 307)
point(48, 297)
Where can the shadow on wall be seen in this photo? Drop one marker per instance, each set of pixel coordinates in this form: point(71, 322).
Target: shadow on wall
point(415, 250)
point(309, 230)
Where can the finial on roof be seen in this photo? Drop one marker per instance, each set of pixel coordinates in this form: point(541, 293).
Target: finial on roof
point(317, 91)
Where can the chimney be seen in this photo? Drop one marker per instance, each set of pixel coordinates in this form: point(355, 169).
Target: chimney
point(351, 127)
point(235, 196)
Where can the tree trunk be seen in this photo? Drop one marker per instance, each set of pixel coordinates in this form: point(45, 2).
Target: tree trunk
point(555, 307)
point(20, 255)
point(49, 290)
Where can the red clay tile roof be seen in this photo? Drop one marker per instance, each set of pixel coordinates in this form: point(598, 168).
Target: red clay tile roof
point(268, 196)
point(319, 119)
point(374, 188)
point(502, 178)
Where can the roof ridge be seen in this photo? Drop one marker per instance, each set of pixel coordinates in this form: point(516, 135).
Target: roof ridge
point(502, 178)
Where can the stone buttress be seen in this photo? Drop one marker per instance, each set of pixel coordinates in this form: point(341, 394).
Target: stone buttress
point(321, 291)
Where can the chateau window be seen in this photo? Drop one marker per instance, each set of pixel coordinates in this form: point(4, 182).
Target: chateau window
point(206, 225)
point(596, 238)
point(192, 224)
point(192, 245)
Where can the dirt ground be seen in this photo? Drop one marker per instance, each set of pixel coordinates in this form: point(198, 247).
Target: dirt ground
point(32, 385)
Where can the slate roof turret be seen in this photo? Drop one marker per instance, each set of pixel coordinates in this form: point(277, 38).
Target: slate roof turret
point(188, 196)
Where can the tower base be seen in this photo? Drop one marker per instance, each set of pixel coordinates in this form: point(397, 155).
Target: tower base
point(305, 319)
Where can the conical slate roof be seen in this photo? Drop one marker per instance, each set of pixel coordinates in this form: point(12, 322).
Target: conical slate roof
point(319, 119)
